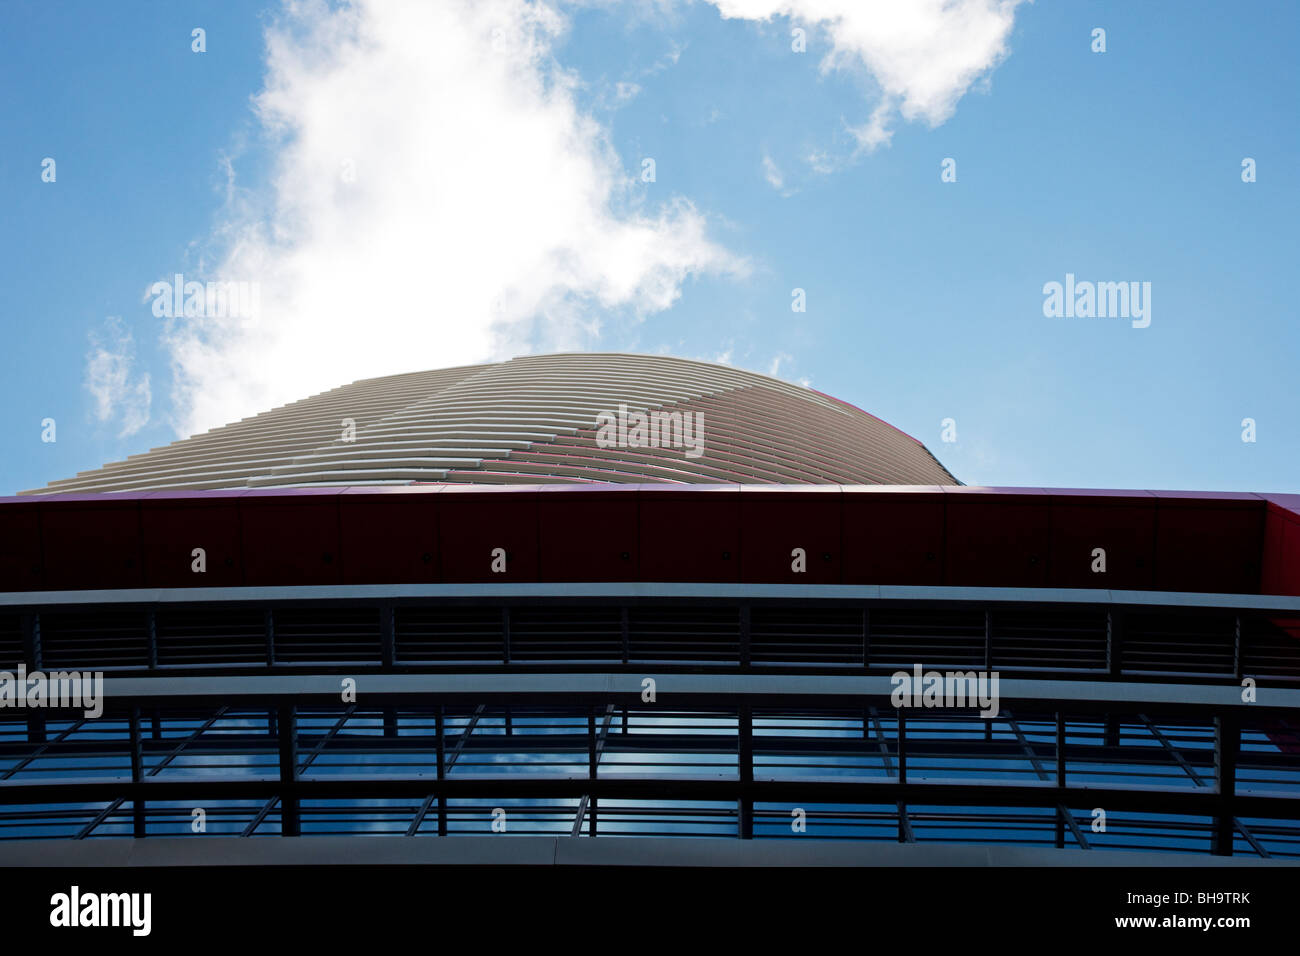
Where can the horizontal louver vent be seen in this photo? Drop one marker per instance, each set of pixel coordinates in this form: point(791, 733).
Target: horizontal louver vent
point(190, 636)
point(1036, 639)
point(100, 638)
point(806, 635)
point(1065, 640)
point(1272, 646)
point(1200, 643)
point(448, 634)
point(566, 633)
point(11, 641)
point(684, 633)
point(932, 638)
point(327, 634)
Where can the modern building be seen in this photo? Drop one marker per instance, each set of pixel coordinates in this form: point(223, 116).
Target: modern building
point(594, 608)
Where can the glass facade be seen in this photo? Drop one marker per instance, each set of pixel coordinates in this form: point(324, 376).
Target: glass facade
point(1118, 728)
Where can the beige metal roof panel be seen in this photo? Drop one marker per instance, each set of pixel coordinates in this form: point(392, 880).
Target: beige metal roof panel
point(534, 420)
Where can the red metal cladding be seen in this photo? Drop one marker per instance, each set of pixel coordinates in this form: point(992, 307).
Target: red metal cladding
point(177, 524)
point(1281, 555)
point(1281, 571)
point(917, 535)
point(587, 534)
point(1282, 737)
point(291, 539)
point(997, 538)
point(785, 529)
point(1122, 529)
point(690, 534)
point(20, 546)
point(488, 533)
point(91, 541)
point(389, 535)
point(893, 534)
point(1209, 543)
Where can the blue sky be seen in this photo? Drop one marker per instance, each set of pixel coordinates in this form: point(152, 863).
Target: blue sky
point(413, 193)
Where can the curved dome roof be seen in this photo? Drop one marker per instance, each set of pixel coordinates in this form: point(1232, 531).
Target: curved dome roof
point(573, 417)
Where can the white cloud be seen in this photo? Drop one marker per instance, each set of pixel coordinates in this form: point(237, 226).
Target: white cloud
point(923, 54)
point(823, 162)
point(437, 199)
point(875, 131)
point(772, 173)
point(616, 95)
point(109, 371)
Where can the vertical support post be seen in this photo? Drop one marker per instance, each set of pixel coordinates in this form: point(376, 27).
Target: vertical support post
point(505, 635)
point(268, 624)
point(1110, 730)
point(592, 757)
point(32, 655)
point(290, 817)
point(1227, 743)
point(626, 630)
point(988, 663)
point(1114, 642)
point(1114, 665)
point(988, 640)
point(902, 747)
point(151, 627)
point(32, 640)
point(1236, 648)
point(1060, 749)
point(137, 774)
point(1060, 777)
point(744, 636)
point(745, 757)
point(866, 638)
point(387, 635)
point(440, 733)
point(903, 826)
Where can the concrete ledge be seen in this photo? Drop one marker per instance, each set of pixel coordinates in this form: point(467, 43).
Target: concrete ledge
point(710, 686)
point(652, 589)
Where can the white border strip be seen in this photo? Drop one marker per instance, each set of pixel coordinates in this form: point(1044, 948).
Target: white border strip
point(474, 850)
